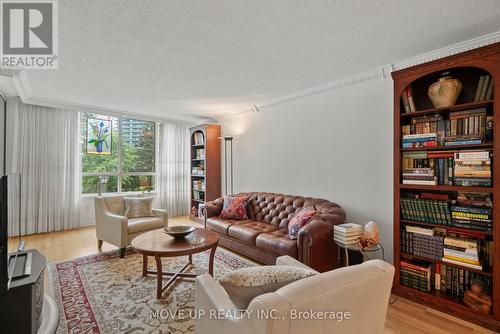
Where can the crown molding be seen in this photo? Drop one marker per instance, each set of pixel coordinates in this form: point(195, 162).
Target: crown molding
point(383, 72)
point(379, 73)
point(23, 87)
point(448, 51)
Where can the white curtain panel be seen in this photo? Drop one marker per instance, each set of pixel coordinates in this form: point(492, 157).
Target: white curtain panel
point(45, 168)
point(173, 169)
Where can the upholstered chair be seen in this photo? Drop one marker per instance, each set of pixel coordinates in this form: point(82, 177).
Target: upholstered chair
point(113, 227)
point(352, 299)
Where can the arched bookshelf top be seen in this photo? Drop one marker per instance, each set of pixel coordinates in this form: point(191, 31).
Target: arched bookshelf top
point(473, 81)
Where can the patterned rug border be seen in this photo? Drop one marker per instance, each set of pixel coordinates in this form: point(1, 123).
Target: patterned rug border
point(54, 284)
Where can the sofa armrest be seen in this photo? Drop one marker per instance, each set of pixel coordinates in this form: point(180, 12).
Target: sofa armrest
point(287, 260)
point(163, 214)
point(210, 293)
point(110, 227)
point(317, 248)
point(214, 208)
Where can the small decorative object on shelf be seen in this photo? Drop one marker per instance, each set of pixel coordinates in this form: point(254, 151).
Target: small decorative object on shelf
point(445, 92)
point(477, 298)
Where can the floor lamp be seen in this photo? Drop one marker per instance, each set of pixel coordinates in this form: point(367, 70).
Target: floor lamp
point(228, 163)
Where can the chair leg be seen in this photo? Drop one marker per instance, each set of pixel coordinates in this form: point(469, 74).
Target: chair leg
point(99, 244)
point(122, 252)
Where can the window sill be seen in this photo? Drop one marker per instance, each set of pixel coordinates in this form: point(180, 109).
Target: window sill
point(154, 193)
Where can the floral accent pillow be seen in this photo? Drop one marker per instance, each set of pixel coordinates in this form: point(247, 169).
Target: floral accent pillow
point(235, 207)
point(301, 218)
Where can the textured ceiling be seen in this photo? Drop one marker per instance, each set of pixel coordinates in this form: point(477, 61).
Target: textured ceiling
point(188, 58)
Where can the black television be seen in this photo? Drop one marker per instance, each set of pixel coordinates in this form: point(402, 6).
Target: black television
point(4, 251)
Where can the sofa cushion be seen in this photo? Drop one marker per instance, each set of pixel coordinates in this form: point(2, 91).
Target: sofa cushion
point(278, 242)
point(248, 231)
point(136, 225)
point(243, 285)
point(221, 226)
point(235, 207)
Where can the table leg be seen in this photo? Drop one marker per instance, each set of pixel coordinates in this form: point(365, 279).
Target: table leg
point(144, 265)
point(190, 259)
point(346, 257)
point(159, 277)
point(211, 263)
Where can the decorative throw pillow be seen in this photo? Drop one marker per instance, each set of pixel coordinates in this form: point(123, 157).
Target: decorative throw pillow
point(301, 218)
point(235, 207)
point(243, 285)
point(137, 207)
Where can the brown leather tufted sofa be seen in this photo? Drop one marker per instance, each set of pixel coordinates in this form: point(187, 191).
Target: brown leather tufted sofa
point(264, 236)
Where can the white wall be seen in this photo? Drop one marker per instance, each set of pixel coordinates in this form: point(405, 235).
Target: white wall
point(336, 145)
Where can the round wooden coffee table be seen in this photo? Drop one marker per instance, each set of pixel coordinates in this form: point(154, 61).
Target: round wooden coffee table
point(159, 244)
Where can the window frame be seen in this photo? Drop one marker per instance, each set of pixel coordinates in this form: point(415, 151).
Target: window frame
point(120, 173)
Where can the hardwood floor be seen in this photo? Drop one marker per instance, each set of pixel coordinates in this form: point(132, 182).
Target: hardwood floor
point(403, 317)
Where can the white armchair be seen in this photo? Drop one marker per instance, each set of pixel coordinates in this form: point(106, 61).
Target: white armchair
point(113, 227)
point(360, 293)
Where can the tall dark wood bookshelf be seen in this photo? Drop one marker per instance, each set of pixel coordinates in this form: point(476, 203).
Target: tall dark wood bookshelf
point(467, 67)
point(205, 165)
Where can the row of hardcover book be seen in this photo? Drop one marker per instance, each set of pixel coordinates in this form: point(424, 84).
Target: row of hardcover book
point(484, 90)
point(462, 128)
point(454, 281)
point(441, 245)
point(419, 244)
point(198, 138)
point(460, 168)
point(436, 209)
point(199, 195)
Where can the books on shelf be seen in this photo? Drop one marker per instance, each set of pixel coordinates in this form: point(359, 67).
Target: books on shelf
point(198, 195)
point(348, 233)
point(466, 127)
point(455, 281)
point(423, 242)
point(416, 274)
point(200, 153)
point(472, 168)
point(484, 90)
point(408, 100)
point(198, 138)
point(460, 168)
point(421, 209)
point(198, 170)
point(469, 210)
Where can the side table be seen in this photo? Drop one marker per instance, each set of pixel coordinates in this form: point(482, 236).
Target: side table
point(374, 252)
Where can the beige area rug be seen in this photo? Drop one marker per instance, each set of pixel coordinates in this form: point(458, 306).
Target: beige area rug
point(105, 294)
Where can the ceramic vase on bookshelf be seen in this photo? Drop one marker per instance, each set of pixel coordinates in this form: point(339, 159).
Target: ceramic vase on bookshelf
point(445, 92)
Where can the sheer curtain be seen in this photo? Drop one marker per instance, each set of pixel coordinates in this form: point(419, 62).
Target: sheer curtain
point(173, 170)
point(45, 152)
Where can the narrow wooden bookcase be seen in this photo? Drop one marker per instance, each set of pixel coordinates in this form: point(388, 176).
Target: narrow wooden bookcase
point(205, 138)
point(467, 67)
